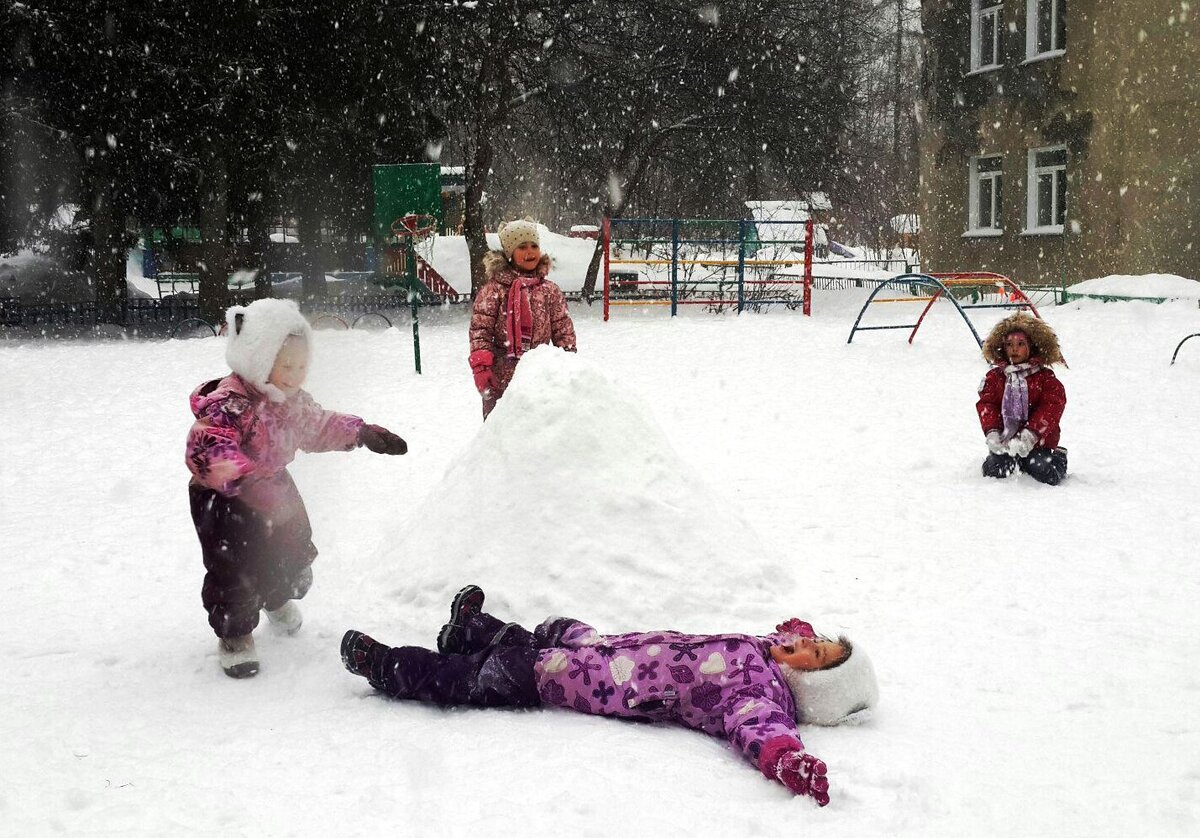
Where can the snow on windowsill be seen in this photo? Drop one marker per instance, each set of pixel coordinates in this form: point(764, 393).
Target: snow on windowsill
point(983, 233)
point(1044, 56)
point(988, 69)
point(1043, 231)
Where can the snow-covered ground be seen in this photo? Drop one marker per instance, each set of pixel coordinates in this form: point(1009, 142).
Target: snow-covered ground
point(1036, 647)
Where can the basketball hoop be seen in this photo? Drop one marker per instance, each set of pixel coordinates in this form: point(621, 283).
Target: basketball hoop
point(412, 239)
point(414, 226)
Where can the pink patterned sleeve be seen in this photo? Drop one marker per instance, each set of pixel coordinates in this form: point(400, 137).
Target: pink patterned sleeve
point(325, 430)
point(214, 453)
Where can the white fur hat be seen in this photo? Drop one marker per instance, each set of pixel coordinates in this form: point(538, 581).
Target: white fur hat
point(256, 334)
point(513, 233)
point(832, 696)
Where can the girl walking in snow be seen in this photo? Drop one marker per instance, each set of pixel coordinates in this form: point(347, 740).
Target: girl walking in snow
point(517, 309)
point(1021, 401)
point(253, 528)
point(749, 690)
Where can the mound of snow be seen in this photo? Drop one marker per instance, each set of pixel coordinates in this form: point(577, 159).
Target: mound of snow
point(571, 499)
point(1169, 286)
point(570, 258)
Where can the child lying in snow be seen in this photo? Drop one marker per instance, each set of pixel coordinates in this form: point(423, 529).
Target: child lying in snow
point(750, 690)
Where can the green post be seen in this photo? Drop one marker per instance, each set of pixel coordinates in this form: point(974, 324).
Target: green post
point(412, 300)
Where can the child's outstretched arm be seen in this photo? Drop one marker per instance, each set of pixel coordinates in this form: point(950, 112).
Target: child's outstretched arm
point(766, 735)
point(325, 430)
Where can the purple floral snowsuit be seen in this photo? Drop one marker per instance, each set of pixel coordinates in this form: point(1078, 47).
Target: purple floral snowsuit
point(724, 684)
point(253, 528)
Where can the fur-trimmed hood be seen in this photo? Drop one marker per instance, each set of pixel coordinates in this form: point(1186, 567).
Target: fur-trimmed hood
point(1044, 343)
point(496, 266)
point(256, 334)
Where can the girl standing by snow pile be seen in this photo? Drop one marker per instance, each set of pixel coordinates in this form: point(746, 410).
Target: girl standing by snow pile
point(254, 531)
point(516, 310)
point(1021, 401)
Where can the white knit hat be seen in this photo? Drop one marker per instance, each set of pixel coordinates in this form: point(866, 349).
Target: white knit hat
point(256, 334)
point(513, 233)
point(844, 693)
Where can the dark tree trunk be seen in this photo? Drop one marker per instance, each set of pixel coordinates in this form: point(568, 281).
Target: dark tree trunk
point(312, 283)
point(106, 253)
point(214, 236)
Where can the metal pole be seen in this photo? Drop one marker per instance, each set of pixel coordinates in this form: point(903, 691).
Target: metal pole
point(674, 266)
point(606, 239)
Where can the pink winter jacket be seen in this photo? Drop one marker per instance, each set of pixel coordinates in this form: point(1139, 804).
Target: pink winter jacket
point(489, 330)
point(242, 442)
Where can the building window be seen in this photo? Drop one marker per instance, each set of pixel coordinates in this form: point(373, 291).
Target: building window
point(1047, 190)
point(986, 34)
point(985, 194)
point(1045, 28)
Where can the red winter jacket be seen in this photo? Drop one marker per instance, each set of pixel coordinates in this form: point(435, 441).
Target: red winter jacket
point(489, 330)
point(1047, 400)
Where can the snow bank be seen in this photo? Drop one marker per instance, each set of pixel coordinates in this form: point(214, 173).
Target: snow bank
point(570, 497)
point(1169, 286)
point(570, 257)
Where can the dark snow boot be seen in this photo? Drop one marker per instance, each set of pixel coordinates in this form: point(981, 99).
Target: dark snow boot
point(1045, 465)
point(238, 656)
point(364, 656)
point(999, 465)
point(466, 603)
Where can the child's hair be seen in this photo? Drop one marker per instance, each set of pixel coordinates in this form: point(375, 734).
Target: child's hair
point(845, 643)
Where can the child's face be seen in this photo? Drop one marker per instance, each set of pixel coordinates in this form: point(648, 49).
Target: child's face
point(1016, 347)
point(526, 255)
point(291, 366)
point(809, 653)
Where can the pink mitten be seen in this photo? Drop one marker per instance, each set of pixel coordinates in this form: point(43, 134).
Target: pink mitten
point(481, 366)
point(803, 774)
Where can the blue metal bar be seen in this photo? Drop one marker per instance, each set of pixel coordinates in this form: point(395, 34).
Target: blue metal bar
point(911, 280)
point(1180, 346)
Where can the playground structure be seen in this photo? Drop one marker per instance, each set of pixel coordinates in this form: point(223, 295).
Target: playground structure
point(724, 264)
point(1180, 346)
point(712, 262)
point(980, 289)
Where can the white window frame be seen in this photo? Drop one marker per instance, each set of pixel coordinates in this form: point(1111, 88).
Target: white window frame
point(975, 226)
point(979, 10)
point(1057, 10)
point(1057, 200)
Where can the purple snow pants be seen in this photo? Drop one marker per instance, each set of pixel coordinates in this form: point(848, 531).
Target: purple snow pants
point(485, 674)
point(250, 564)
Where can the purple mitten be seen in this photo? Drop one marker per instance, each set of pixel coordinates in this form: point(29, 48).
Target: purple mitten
point(380, 440)
point(803, 774)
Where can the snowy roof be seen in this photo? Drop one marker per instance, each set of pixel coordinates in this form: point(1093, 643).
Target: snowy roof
point(795, 209)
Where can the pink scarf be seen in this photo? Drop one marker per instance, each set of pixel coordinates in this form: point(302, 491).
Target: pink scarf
point(519, 316)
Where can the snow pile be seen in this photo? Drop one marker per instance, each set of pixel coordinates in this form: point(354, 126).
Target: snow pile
point(571, 498)
point(570, 257)
point(1168, 286)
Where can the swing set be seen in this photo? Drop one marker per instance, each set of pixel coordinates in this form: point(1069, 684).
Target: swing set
point(977, 289)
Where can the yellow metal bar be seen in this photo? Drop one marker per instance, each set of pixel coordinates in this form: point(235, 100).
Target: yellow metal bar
point(902, 300)
point(710, 262)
